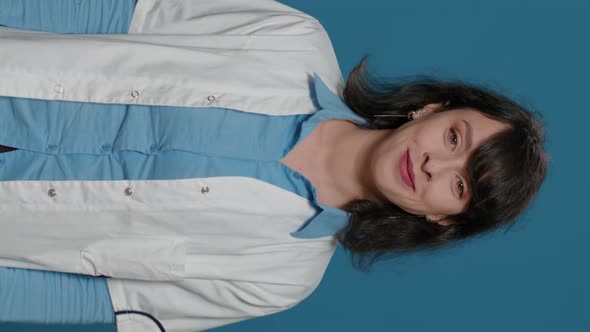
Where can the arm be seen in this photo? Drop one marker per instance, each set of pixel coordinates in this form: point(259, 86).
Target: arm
point(44, 297)
point(68, 16)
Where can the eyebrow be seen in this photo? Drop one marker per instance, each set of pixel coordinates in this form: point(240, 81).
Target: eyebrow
point(468, 136)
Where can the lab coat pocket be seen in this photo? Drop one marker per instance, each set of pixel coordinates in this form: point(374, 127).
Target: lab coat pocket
point(136, 257)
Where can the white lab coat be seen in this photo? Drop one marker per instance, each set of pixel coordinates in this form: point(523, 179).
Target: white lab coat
point(193, 253)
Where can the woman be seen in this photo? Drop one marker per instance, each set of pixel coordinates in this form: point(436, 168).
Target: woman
point(416, 166)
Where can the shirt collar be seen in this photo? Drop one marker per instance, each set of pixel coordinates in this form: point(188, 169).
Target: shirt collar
point(331, 106)
point(329, 220)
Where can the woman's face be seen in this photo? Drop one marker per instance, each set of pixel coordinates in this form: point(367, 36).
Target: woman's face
point(422, 166)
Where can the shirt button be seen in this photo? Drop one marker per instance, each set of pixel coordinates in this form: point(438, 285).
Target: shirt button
point(204, 190)
point(128, 191)
point(211, 98)
point(106, 147)
point(134, 93)
point(154, 147)
point(52, 146)
point(51, 192)
point(58, 88)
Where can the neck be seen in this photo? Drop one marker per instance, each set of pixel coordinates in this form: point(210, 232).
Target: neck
point(346, 162)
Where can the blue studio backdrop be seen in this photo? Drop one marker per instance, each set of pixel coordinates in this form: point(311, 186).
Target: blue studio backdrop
point(532, 277)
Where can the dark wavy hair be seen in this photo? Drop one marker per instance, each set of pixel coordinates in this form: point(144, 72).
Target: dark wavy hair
point(505, 172)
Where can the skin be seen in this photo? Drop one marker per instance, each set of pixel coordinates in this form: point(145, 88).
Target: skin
point(345, 162)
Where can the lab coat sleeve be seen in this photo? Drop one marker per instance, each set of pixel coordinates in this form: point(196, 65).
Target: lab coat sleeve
point(254, 24)
point(198, 304)
point(209, 17)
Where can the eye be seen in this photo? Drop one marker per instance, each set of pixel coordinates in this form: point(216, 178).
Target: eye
point(460, 187)
point(454, 138)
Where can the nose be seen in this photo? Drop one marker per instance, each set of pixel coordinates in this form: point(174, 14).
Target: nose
point(433, 165)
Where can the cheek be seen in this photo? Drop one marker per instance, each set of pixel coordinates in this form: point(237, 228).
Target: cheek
point(430, 139)
point(385, 169)
point(439, 199)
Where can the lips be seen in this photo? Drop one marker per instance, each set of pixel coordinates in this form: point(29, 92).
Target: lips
point(411, 170)
point(405, 168)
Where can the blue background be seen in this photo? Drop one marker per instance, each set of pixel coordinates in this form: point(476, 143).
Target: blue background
point(533, 277)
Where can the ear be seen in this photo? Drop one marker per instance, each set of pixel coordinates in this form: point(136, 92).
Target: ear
point(440, 219)
point(426, 110)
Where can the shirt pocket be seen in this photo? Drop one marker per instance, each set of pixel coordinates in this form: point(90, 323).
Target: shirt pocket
point(136, 257)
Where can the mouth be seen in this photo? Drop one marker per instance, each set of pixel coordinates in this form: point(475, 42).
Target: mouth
point(411, 170)
point(405, 169)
